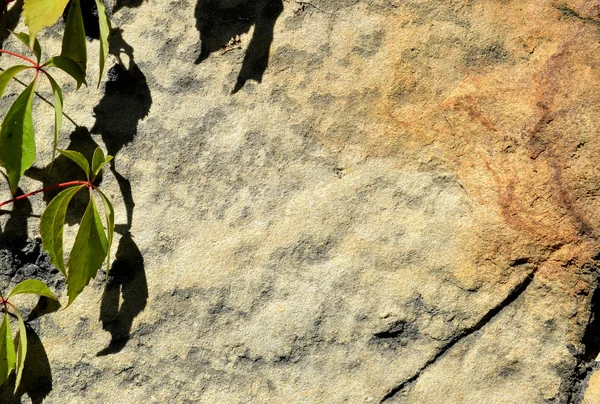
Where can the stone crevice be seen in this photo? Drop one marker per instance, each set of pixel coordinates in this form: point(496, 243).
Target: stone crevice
point(512, 295)
point(587, 364)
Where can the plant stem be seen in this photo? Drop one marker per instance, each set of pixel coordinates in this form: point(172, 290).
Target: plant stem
point(10, 304)
point(44, 99)
point(35, 64)
point(64, 184)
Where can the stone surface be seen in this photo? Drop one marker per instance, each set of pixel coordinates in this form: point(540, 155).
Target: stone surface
point(592, 393)
point(403, 206)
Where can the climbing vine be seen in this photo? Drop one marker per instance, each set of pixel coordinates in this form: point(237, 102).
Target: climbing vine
point(91, 248)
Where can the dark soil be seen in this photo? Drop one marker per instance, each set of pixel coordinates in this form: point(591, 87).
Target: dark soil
point(28, 261)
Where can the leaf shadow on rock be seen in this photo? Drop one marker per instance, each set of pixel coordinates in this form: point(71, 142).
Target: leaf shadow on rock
point(36, 381)
point(127, 100)
point(127, 279)
point(89, 13)
point(15, 232)
point(221, 21)
point(10, 16)
point(126, 3)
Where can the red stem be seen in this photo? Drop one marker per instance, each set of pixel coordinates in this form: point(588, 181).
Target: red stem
point(64, 184)
point(34, 63)
point(6, 302)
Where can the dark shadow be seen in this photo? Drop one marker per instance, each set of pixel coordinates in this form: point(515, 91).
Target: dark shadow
point(591, 337)
point(36, 381)
point(220, 22)
point(127, 279)
point(126, 101)
point(126, 3)
point(44, 306)
point(10, 15)
point(89, 13)
point(15, 232)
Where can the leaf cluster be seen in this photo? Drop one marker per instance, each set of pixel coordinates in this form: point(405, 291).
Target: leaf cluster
point(92, 243)
point(95, 234)
point(11, 358)
point(17, 139)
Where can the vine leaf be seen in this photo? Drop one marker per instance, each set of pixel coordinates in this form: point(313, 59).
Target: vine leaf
point(99, 161)
point(7, 75)
point(41, 13)
point(73, 43)
point(104, 32)
point(68, 66)
point(21, 349)
point(32, 286)
point(92, 242)
point(17, 143)
point(110, 226)
point(52, 225)
point(7, 350)
point(77, 158)
point(58, 110)
point(24, 37)
point(88, 253)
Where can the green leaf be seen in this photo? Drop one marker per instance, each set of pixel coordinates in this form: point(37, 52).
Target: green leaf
point(17, 142)
point(7, 75)
point(73, 43)
point(68, 66)
point(106, 161)
point(10, 345)
point(58, 110)
point(88, 252)
point(32, 286)
point(77, 158)
point(104, 32)
point(24, 37)
point(21, 349)
point(99, 161)
point(52, 225)
point(41, 13)
point(7, 350)
point(110, 226)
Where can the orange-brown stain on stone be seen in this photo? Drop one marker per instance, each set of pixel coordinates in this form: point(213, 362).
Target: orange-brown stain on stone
point(517, 125)
point(496, 125)
point(510, 128)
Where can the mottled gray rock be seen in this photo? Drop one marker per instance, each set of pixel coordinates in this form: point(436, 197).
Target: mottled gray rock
point(402, 206)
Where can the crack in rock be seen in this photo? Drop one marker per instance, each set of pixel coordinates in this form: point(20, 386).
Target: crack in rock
point(587, 364)
point(512, 295)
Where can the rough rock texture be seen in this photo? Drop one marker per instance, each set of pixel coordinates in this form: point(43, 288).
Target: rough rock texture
point(592, 394)
point(334, 201)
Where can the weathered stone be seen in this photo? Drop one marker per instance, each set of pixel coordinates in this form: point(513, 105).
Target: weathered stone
point(403, 206)
point(592, 393)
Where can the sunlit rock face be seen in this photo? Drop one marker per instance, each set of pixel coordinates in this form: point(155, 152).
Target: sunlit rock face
point(337, 201)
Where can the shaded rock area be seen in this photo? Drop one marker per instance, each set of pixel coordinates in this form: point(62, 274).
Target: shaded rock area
point(334, 202)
